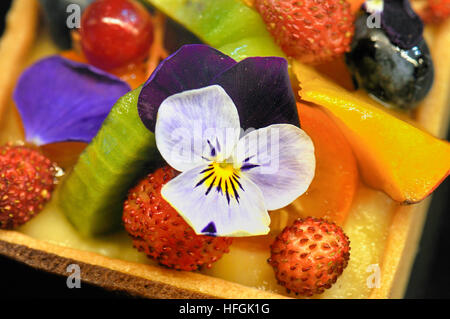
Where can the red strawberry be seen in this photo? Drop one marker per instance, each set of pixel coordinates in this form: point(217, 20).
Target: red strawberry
point(436, 11)
point(26, 183)
point(159, 231)
point(309, 256)
point(313, 31)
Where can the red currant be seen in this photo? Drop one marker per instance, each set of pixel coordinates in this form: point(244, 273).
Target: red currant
point(115, 33)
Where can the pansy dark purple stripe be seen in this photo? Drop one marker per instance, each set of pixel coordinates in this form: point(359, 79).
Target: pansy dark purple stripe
point(62, 100)
point(210, 229)
point(260, 86)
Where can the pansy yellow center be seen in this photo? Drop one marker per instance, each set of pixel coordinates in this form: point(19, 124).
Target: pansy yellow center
point(223, 178)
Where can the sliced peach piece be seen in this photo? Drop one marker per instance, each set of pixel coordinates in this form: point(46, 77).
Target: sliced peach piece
point(65, 154)
point(331, 192)
point(394, 156)
point(74, 56)
point(337, 71)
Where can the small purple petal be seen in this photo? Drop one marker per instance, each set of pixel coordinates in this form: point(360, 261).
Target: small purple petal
point(261, 90)
point(191, 67)
point(62, 100)
point(402, 25)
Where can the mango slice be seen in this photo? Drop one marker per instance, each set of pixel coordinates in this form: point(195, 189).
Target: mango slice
point(394, 156)
point(336, 179)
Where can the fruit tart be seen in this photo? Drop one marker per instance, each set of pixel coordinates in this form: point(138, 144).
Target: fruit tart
point(227, 149)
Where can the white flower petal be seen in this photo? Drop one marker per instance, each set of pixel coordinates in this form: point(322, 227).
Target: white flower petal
point(196, 126)
point(280, 160)
point(209, 211)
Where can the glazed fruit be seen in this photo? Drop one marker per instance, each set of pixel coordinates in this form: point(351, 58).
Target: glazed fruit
point(331, 192)
point(309, 256)
point(399, 77)
point(26, 183)
point(65, 153)
point(159, 231)
point(115, 33)
point(310, 30)
point(380, 140)
point(92, 195)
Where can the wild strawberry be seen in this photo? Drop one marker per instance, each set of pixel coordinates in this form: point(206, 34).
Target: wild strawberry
point(435, 11)
point(26, 183)
point(309, 256)
point(313, 31)
point(159, 231)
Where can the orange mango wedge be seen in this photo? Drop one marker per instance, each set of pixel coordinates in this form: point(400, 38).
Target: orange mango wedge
point(393, 155)
point(65, 154)
point(331, 192)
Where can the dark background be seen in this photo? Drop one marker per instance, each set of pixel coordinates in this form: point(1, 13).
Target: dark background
point(430, 276)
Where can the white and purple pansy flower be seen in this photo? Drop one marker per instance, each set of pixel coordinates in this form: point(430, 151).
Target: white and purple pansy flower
point(199, 102)
point(230, 128)
point(62, 100)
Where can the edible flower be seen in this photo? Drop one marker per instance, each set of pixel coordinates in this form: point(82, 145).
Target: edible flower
point(62, 100)
point(232, 130)
point(401, 24)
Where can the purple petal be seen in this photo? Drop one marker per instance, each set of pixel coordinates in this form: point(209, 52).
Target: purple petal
point(62, 100)
point(191, 67)
point(402, 25)
point(261, 90)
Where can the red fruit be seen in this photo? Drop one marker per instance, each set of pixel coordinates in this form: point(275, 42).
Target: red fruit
point(309, 256)
point(313, 31)
point(115, 33)
point(26, 183)
point(436, 11)
point(159, 231)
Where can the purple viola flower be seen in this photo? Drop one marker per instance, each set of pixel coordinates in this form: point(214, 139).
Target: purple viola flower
point(198, 102)
point(62, 100)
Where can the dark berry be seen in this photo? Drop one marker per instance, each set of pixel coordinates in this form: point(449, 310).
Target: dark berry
point(398, 77)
